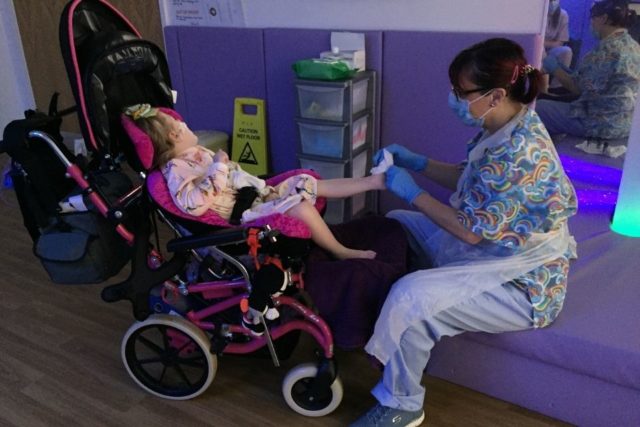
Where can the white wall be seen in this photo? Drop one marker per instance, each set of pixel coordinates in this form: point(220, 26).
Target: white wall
point(446, 15)
point(15, 86)
point(514, 16)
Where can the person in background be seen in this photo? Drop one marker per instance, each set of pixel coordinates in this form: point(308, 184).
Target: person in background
point(606, 83)
point(555, 39)
point(500, 249)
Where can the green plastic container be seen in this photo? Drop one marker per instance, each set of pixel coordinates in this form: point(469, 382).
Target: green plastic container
point(322, 69)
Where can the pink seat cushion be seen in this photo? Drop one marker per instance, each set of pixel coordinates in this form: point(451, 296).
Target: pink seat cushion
point(287, 225)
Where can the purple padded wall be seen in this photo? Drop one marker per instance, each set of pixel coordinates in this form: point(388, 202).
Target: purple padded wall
point(282, 47)
point(208, 81)
point(211, 67)
point(414, 96)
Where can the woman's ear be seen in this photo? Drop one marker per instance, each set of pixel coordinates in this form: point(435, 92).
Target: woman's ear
point(497, 96)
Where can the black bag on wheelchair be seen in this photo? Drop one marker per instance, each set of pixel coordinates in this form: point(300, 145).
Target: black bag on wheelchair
point(37, 175)
point(84, 247)
point(81, 247)
point(74, 247)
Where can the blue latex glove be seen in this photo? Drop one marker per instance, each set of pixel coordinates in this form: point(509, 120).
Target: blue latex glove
point(400, 183)
point(550, 64)
point(403, 157)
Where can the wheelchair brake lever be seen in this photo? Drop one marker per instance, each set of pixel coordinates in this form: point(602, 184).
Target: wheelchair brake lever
point(269, 234)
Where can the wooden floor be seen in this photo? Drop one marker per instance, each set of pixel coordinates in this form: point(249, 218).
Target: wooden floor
point(60, 365)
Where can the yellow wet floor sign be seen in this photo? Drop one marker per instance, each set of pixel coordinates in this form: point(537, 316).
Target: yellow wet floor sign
point(249, 142)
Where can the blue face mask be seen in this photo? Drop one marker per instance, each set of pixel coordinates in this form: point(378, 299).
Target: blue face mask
point(461, 108)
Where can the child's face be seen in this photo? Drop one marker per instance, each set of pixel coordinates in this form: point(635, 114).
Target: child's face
point(180, 134)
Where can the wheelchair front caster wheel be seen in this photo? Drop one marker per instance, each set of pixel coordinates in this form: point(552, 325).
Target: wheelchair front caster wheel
point(169, 357)
point(297, 392)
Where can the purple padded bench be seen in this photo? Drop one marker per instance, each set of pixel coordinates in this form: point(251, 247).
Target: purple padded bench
point(584, 369)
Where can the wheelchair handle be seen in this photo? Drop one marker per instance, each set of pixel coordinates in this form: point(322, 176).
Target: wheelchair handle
point(52, 144)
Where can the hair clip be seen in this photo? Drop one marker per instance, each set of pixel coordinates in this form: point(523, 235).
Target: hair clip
point(514, 76)
point(140, 111)
point(525, 69)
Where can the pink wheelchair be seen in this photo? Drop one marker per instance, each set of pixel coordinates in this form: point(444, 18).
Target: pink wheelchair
point(189, 307)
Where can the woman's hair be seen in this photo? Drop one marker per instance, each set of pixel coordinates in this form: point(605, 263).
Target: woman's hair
point(157, 127)
point(555, 17)
point(617, 11)
point(497, 63)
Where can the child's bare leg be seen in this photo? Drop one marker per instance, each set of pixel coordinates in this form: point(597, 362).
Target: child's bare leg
point(345, 187)
point(321, 234)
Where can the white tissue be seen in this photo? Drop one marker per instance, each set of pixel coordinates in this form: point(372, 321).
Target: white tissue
point(385, 163)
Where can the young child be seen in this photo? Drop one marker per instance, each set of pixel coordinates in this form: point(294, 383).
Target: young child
point(200, 180)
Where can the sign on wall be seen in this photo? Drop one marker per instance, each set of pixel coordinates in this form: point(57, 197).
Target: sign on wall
point(206, 13)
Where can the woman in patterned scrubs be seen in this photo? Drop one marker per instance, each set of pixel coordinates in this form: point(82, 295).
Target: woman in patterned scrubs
point(500, 249)
point(606, 81)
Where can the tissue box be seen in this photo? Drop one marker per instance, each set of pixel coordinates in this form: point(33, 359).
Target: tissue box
point(355, 59)
point(348, 48)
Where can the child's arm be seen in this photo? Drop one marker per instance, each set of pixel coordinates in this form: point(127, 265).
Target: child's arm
point(219, 173)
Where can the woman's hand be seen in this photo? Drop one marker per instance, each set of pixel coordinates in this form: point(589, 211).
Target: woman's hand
point(403, 157)
point(400, 183)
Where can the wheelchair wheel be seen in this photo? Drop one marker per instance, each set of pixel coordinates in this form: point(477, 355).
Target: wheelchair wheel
point(169, 357)
point(296, 388)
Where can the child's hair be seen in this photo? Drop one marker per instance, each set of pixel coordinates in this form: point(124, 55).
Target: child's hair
point(154, 123)
point(497, 63)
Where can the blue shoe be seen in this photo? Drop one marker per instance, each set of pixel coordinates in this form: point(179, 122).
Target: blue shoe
point(384, 416)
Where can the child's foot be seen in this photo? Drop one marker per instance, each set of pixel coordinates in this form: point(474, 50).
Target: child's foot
point(347, 253)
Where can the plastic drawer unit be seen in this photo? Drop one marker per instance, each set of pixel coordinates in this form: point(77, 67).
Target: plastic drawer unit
point(336, 133)
point(339, 140)
point(336, 101)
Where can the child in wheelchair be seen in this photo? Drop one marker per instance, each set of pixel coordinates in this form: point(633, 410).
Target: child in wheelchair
point(200, 180)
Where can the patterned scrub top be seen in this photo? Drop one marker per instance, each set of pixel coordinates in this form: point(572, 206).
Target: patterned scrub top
point(608, 78)
point(517, 188)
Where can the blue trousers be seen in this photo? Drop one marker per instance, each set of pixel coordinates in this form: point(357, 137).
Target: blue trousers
point(557, 119)
point(502, 309)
